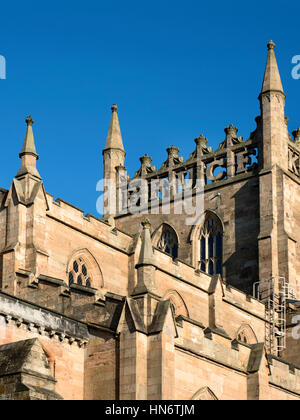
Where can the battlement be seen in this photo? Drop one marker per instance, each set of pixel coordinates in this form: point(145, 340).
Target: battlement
point(88, 224)
point(140, 304)
point(212, 345)
point(284, 374)
point(182, 271)
point(185, 273)
point(243, 301)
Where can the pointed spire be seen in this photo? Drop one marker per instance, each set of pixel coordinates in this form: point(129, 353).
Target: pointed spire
point(114, 137)
point(29, 146)
point(146, 254)
point(28, 154)
point(272, 81)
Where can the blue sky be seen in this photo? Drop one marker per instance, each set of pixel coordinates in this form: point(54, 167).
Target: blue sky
point(176, 70)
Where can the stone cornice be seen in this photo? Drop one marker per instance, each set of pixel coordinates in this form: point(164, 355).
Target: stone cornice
point(42, 321)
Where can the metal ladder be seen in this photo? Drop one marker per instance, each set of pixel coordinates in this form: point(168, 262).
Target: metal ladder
point(274, 293)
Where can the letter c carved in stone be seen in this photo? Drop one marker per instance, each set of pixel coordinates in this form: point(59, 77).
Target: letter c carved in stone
point(211, 168)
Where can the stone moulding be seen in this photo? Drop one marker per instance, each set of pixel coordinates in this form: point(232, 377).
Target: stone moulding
point(42, 321)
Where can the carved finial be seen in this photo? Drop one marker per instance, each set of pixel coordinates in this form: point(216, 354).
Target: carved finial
point(114, 108)
point(29, 120)
point(201, 140)
point(231, 130)
point(146, 255)
point(271, 45)
point(146, 160)
point(272, 80)
point(29, 145)
point(146, 277)
point(146, 224)
point(114, 137)
point(28, 154)
point(173, 151)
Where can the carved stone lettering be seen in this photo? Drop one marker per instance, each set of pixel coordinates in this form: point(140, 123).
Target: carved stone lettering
point(294, 162)
point(243, 159)
point(211, 168)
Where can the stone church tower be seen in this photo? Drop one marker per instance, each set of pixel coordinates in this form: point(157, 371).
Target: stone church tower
point(143, 305)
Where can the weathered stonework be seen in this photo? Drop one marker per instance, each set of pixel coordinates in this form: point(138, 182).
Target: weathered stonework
point(125, 307)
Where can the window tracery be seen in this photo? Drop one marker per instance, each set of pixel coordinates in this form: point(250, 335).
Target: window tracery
point(78, 273)
point(211, 245)
point(168, 241)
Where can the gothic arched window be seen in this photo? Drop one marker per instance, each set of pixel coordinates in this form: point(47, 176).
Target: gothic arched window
point(178, 305)
point(246, 335)
point(168, 241)
point(211, 245)
point(78, 273)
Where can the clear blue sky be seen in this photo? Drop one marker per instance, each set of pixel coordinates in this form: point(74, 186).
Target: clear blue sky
point(176, 69)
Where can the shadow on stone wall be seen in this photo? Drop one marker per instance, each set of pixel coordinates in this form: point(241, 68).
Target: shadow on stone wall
point(241, 268)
